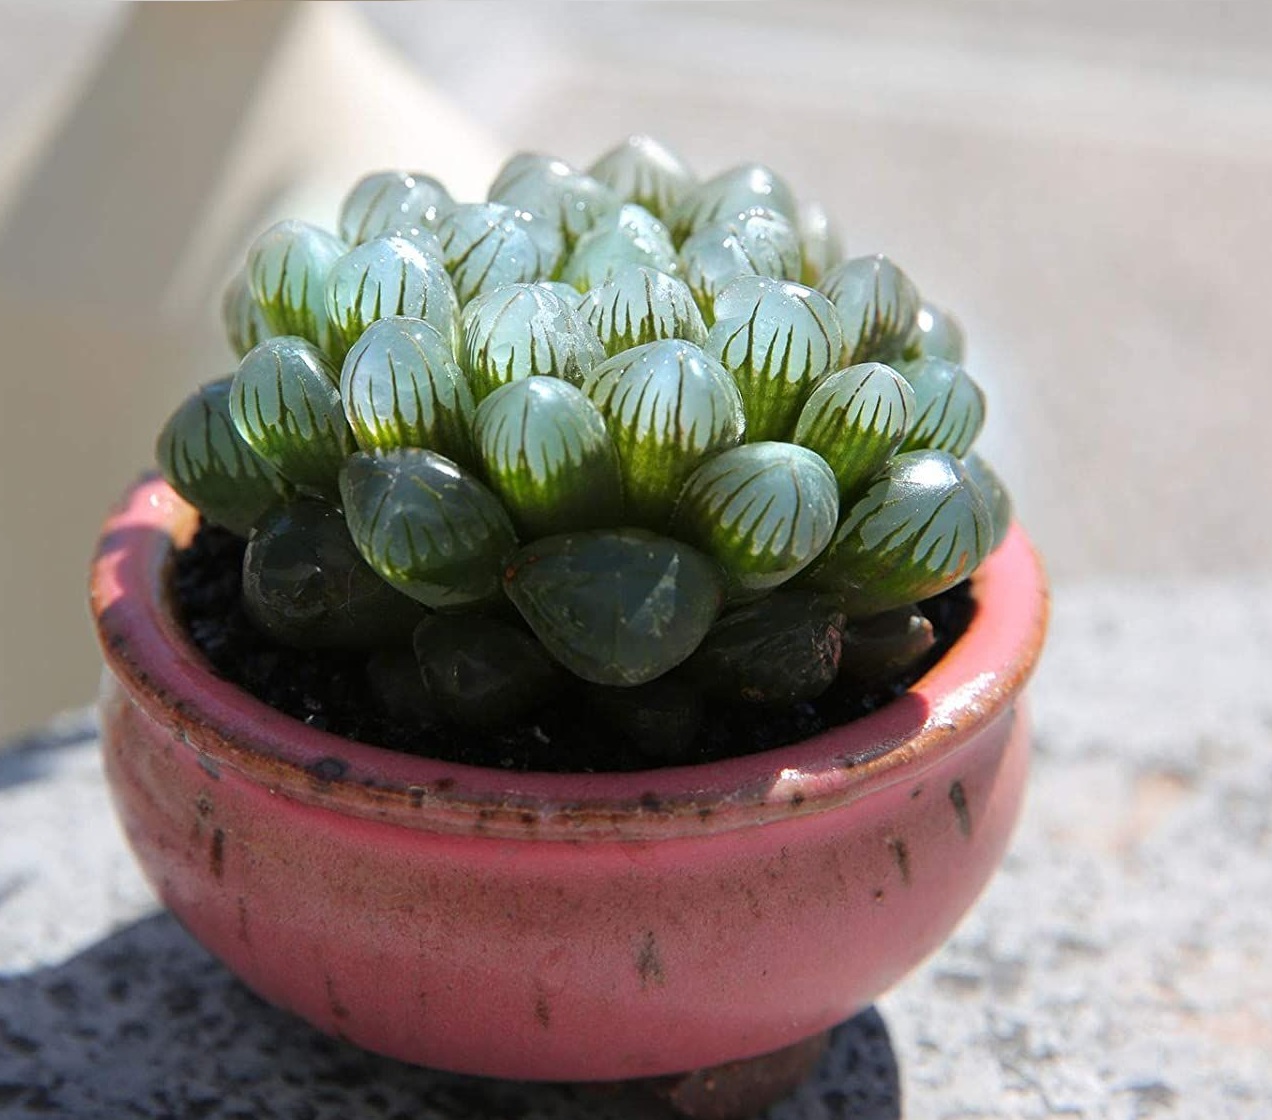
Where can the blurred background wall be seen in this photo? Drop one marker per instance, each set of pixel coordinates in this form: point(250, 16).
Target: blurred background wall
point(1086, 184)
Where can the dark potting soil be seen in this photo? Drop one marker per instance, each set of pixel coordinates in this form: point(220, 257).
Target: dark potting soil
point(331, 690)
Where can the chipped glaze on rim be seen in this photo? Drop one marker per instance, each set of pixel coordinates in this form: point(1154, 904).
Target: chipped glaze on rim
point(148, 650)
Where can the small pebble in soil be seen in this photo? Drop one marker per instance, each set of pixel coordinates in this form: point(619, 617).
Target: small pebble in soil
point(333, 690)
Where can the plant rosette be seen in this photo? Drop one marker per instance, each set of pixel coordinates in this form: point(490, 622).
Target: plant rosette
point(603, 429)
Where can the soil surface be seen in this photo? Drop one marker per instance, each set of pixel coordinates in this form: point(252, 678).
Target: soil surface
point(333, 691)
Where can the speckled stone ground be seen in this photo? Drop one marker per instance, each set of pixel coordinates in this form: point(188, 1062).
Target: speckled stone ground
point(1119, 967)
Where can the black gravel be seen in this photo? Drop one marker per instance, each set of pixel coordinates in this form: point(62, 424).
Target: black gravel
point(331, 691)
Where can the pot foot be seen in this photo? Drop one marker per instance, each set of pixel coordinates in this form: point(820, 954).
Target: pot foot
point(737, 1090)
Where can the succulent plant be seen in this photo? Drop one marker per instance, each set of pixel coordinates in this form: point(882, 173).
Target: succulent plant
point(755, 242)
point(630, 235)
point(390, 201)
point(643, 171)
point(612, 437)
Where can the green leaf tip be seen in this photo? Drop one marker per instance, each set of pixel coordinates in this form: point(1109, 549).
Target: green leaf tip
point(619, 607)
point(921, 527)
point(668, 405)
point(763, 512)
point(427, 526)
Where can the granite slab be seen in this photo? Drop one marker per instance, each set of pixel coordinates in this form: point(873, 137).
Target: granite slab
point(1118, 968)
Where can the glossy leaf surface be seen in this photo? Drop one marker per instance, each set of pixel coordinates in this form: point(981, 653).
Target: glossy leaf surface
point(245, 322)
point(878, 306)
point(777, 338)
point(643, 171)
point(401, 387)
point(949, 407)
point(855, 419)
point(481, 672)
point(287, 269)
point(422, 237)
point(756, 243)
point(763, 512)
point(564, 197)
point(729, 194)
point(884, 646)
point(820, 247)
point(996, 495)
point(637, 305)
point(426, 526)
point(547, 455)
point(390, 276)
point(208, 463)
point(921, 527)
point(630, 236)
point(783, 649)
point(619, 607)
point(667, 405)
point(390, 201)
point(940, 335)
point(305, 585)
point(568, 293)
point(285, 401)
point(520, 331)
point(488, 245)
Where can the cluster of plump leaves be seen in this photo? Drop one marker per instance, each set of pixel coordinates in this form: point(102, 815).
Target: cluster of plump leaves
point(620, 425)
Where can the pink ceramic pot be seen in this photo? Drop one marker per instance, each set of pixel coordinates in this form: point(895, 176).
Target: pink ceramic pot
point(558, 927)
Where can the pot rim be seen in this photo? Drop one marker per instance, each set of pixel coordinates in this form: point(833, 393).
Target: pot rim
point(147, 649)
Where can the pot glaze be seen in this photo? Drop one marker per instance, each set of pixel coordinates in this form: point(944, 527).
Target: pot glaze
point(549, 926)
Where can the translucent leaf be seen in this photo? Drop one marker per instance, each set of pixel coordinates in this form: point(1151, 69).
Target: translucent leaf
point(995, 493)
point(637, 305)
point(782, 649)
point(763, 512)
point(631, 236)
point(878, 306)
point(547, 455)
point(426, 526)
point(643, 171)
point(402, 387)
point(667, 406)
point(559, 194)
point(885, 646)
point(422, 237)
point(660, 719)
point(729, 194)
point(389, 201)
point(208, 463)
point(949, 407)
point(757, 243)
point(488, 245)
point(285, 401)
point(568, 292)
point(390, 276)
point(619, 607)
point(482, 672)
point(940, 335)
point(520, 164)
point(776, 338)
point(305, 585)
point(819, 242)
point(920, 528)
point(287, 269)
point(855, 419)
point(245, 323)
point(524, 330)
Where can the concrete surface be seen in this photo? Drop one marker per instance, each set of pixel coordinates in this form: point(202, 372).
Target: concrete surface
point(1118, 968)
